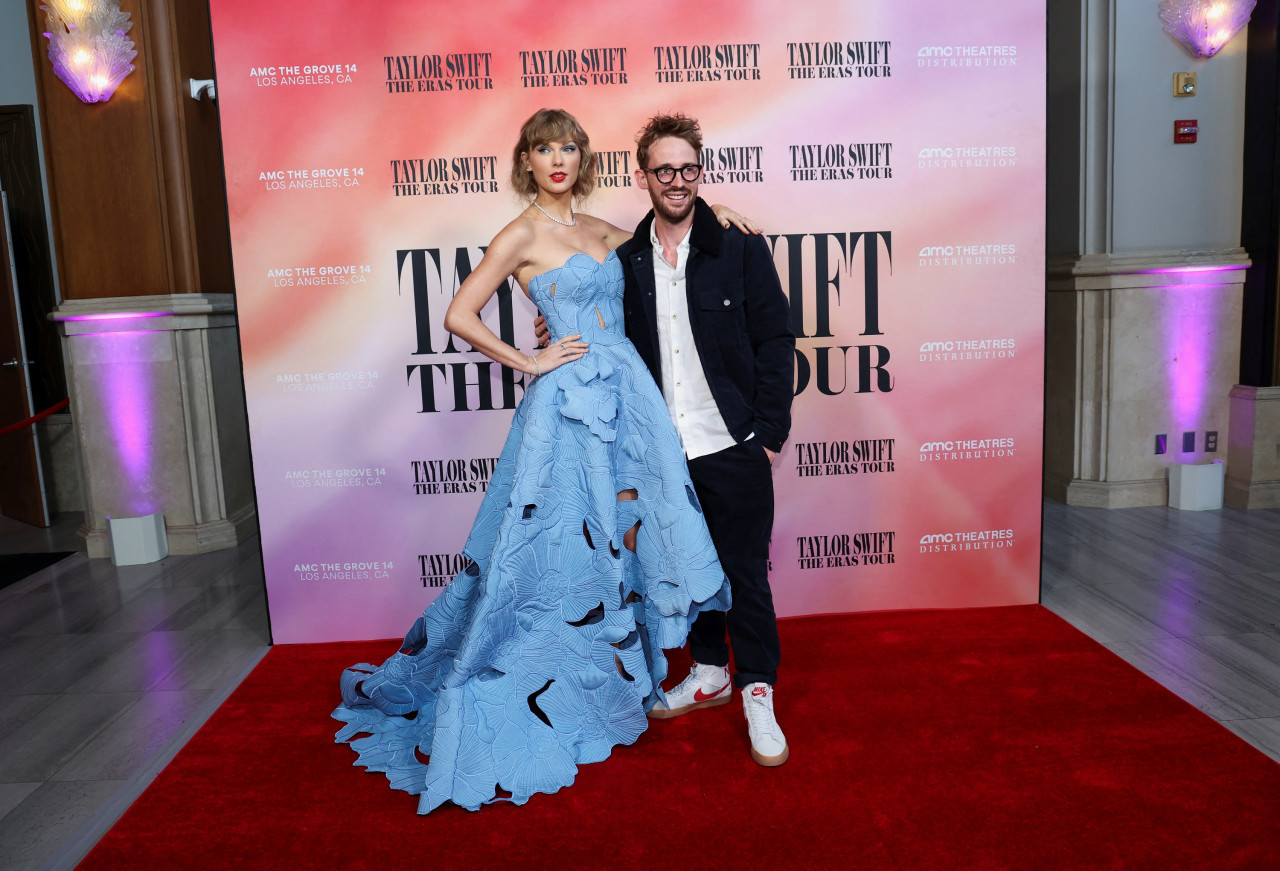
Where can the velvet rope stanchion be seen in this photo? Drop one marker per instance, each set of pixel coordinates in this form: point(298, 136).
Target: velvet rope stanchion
point(35, 418)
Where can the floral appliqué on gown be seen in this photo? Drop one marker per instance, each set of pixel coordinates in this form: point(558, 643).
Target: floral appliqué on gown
point(546, 651)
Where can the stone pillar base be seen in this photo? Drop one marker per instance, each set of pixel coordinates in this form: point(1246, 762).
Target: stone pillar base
point(158, 411)
point(196, 538)
point(1253, 451)
point(1110, 494)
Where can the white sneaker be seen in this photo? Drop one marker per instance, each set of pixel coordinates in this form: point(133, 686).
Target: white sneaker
point(768, 744)
point(705, 687)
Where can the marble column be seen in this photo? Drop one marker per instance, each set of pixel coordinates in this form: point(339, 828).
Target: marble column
point(1143, 301)
point(1253, 455)
point(1137, 345)
point(158, 410)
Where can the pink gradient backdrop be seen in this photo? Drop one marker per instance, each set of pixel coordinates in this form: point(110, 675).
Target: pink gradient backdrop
point(340, 331)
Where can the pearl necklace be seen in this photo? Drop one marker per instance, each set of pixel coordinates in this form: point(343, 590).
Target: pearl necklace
point(571, 223)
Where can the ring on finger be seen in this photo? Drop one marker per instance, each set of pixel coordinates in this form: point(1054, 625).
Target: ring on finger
point(562, 347)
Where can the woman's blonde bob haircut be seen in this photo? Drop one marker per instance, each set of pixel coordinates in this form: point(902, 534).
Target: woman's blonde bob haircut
point(552, 125)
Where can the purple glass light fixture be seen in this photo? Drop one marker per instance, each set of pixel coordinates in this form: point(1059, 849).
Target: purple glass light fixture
point(88, 47)
point(1205, 26)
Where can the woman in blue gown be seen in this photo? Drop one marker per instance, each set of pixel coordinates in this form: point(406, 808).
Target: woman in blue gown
point(589, 554)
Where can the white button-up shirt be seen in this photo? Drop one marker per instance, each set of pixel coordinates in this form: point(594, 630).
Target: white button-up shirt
point(684, 385)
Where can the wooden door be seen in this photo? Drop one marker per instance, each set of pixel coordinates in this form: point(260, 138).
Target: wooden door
point(22, 495)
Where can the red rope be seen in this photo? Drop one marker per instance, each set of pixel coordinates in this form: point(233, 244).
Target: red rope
point(53, 409)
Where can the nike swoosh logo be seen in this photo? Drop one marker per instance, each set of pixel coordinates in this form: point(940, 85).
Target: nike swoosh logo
point(700, 696)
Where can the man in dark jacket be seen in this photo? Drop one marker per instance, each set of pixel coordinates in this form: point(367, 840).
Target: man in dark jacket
point(706, 312)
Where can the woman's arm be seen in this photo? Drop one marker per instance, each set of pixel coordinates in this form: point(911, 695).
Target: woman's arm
point(503, 258)
point(615, 236)
point(612, 236)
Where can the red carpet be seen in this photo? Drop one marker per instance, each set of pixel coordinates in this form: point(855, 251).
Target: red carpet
point(981, 739)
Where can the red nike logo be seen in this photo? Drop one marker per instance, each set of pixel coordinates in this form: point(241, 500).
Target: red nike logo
point(700, 696)
point(759, 691)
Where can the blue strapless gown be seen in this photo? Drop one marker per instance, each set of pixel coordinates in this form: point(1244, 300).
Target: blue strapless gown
point(546, 651)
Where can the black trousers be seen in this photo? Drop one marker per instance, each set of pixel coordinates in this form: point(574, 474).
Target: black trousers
point(735, 487)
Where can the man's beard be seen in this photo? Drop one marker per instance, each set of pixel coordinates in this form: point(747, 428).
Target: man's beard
point(669, 210)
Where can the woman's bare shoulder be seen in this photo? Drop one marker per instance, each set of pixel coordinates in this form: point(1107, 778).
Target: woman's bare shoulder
point(609, 234)
point(597, 225)
point(519, 234)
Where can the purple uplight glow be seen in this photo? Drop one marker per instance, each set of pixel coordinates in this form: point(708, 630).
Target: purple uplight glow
point(161, 654)
point(127, 373)
point(1188, 332)
point(1187, 337)
point(115, 316)
point(121, 333)
point(1174, 270)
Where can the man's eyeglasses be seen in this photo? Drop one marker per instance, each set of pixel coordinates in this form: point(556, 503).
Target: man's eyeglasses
point(666, 174)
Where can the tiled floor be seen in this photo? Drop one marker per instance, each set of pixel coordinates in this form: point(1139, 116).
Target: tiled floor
point(108, 671)
point(1190, 598)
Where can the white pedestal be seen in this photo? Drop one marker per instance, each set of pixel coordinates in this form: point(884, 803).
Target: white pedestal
point(1196, 488)
point(137, 540)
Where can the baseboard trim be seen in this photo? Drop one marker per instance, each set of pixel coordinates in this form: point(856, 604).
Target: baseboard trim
point(1251, 494)
point(1113, 494)
point(196, 538)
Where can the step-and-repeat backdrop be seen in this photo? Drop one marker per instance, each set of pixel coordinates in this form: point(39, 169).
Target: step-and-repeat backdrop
point(893, 152)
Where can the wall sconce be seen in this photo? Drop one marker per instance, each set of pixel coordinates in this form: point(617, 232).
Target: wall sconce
point(88, 47)
point(1205, 26)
